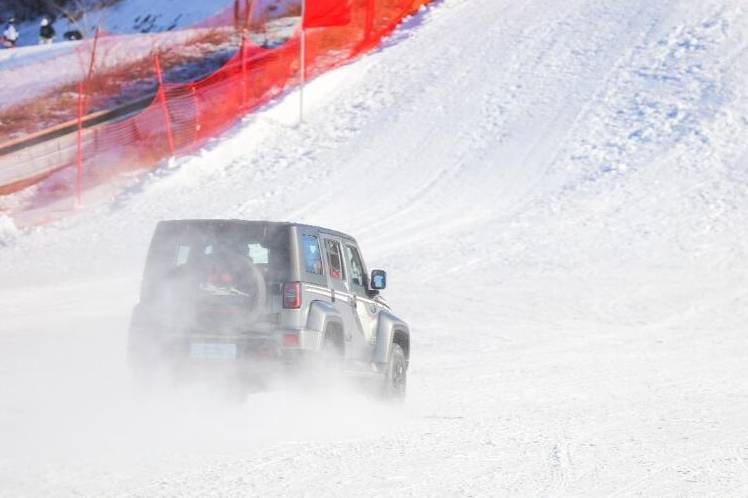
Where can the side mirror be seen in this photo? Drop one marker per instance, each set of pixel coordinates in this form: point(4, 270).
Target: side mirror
point(378, 279)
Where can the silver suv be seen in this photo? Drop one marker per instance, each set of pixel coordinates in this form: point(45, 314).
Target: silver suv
point(233, 292)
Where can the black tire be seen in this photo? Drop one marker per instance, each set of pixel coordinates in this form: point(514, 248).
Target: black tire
point(332, 353)
point(396, 374)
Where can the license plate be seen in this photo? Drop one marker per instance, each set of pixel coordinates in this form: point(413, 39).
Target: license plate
point(212, 351)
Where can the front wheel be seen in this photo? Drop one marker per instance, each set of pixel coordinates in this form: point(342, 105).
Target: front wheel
point(396, 374)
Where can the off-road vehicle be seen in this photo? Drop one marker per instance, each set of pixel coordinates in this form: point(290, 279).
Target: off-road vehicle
point(243, 293)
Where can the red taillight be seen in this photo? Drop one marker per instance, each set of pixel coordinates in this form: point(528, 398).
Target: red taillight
point(290, 340)
point(292, 295)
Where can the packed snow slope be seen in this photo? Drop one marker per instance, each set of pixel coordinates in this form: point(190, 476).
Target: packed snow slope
point(559, 192)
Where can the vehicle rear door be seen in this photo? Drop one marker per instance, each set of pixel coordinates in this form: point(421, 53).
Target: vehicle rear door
point(343, 299)
point(366, 310)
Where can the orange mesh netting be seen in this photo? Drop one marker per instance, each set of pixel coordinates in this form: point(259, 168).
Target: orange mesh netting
point(139, 99)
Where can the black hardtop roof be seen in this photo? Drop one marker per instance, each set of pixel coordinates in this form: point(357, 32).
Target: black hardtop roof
point(274, 224)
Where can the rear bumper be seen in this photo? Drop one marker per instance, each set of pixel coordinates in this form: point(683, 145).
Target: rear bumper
point(284, 345)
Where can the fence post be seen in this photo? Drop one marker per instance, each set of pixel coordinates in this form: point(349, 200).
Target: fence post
point(93, 55)
point(369, 20)
point(247, 12)
point(83, 93)
point(79, 151)
point(164, 106)
point(244, 68)
point(196, 104)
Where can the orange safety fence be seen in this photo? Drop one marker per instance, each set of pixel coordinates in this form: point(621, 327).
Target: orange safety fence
point(243, 60)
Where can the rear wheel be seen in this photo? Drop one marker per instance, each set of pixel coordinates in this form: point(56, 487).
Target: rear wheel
point(396, 374)
point(322, 367)
point(332, 351)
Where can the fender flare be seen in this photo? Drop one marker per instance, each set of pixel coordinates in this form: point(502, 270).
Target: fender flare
point(321, 316)
point(387, 326)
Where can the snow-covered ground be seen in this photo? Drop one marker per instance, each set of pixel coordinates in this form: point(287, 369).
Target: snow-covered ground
point(560, 193)
point(140, 16)
point(23, 84)
point(146, 16)
point(66, 62)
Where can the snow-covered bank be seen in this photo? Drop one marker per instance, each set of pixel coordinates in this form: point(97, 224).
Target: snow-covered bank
point(126, 16)
point(32, 72)
point(560, 195)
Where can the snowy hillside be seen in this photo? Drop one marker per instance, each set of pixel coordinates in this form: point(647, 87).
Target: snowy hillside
point(120, 62)
point(143, 16)
point(128, 16)
point(559, 191)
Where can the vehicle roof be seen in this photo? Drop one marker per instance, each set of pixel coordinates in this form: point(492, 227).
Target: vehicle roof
point(277, 224)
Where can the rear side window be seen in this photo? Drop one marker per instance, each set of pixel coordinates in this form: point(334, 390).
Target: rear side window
point(312, 255)
point(335, 259)
point(355, 265)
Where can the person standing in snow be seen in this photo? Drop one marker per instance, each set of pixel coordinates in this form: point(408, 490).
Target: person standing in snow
point(46, 32)
point(10, 35)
